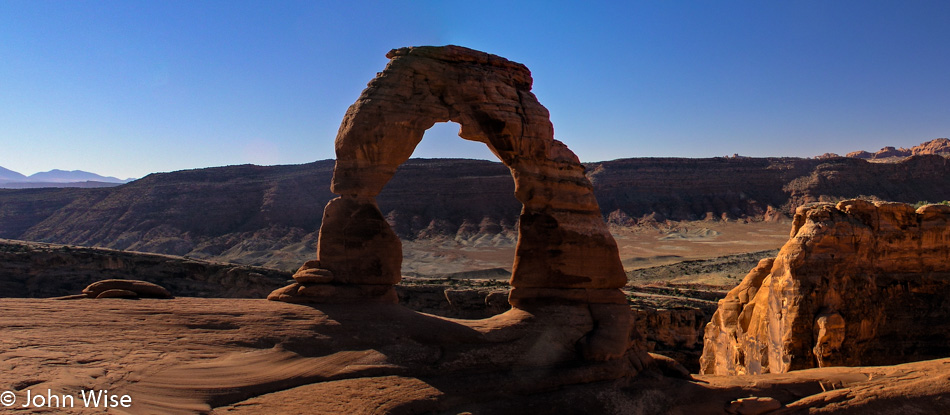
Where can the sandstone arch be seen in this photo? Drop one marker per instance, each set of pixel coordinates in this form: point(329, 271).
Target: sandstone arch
point(564, 250)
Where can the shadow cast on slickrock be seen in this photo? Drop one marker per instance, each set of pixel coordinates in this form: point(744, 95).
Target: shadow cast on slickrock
point(517, 353)
point(191, 355)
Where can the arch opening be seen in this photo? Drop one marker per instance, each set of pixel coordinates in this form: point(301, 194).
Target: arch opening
point(442, 140)
point(458, 219)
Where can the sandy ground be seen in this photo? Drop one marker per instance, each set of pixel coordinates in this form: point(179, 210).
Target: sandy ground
point(648, 246)
point(640, 247)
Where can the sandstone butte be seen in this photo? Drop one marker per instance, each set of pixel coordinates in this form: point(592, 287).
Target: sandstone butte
point(335, 341)
point(858, 283)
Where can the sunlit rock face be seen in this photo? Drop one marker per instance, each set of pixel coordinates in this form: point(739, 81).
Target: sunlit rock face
point(858, 283)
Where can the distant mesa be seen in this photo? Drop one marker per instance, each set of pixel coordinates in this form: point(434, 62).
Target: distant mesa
point(63, 176)
point(10, 179)
point(939, 146)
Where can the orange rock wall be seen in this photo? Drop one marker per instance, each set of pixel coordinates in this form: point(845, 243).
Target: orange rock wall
point(858, 283)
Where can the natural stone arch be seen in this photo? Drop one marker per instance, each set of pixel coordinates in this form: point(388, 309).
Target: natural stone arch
point(564, 250)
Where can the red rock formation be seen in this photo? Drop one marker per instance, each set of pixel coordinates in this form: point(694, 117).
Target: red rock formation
point(939, 146)
point(564, 248)
point(564, 253)
point(858, 283)
point(128, 288)
point(860, 154)
point(936, 146)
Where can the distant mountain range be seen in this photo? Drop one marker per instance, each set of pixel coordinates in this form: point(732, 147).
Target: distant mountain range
point(7, 174)
point(10, 179)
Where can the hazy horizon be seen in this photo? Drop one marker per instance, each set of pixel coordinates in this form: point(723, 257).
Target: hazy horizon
point(126, 89)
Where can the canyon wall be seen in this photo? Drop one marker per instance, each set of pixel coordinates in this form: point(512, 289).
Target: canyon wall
point(269, 216)
point(857, 284)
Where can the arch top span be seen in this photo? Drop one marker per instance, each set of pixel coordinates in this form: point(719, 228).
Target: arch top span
point(488, 96)
point(564, 250)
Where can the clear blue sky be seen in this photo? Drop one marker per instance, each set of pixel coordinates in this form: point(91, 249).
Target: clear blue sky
point(125, 88)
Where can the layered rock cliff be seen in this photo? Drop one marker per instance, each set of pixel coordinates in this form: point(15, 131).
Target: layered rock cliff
point(269, 216)
point(918, 178)
point(858, 283)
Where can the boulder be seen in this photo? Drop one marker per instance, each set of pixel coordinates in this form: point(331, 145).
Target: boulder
point(753, 405)
point(116, 293)
point(142, 289)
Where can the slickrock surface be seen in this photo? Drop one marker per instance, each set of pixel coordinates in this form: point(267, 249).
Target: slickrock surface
point(189, 355)
point(194, 354)
point(858, 283)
